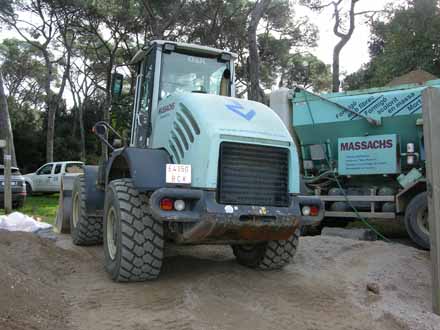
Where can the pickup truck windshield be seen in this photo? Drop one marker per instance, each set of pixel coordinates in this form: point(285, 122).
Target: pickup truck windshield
point(190, 73)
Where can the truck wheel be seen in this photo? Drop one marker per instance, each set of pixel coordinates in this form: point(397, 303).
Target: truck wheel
point(28, 189)
point(133, 240)
point(267, 255)
point(85, 229)
point(416, 220)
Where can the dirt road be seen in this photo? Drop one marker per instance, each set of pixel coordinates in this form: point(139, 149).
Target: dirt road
point(204, 288)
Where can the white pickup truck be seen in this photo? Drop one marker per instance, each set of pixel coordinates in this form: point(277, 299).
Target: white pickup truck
point(48, 177)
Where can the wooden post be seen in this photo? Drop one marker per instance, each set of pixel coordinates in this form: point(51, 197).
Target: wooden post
point(7, 159)
point(431, 133)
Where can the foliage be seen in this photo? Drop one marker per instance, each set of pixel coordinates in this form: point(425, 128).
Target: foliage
point(69, 49)
point(405, 40)
point(27, 125)
point(306, 71)
point(23, 72)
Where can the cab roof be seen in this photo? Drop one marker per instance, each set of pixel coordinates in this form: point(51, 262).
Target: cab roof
point(180, 45)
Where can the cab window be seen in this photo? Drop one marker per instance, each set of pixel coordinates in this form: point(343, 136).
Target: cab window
point(191, 73)
point(57, 169)
point(45, 170)
point(74, 168)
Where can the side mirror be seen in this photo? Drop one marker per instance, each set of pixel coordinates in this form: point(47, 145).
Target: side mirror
point(99, 129)
point(117, 84)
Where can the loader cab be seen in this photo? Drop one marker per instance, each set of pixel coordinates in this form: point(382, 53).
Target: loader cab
point(166, 69)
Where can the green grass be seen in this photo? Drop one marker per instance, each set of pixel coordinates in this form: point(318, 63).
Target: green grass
point(43, 207)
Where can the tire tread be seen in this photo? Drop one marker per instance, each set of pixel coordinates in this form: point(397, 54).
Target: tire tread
point(89, 228)
point(269, 255)
point(141, 256)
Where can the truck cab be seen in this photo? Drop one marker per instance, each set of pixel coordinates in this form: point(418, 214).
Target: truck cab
point(201, 167)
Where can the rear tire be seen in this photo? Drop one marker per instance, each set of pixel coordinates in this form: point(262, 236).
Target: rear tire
point(416, 220)
point(267, 255)
point(84, 229)
point(133, 239)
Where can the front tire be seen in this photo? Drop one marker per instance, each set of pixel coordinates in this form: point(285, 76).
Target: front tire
point(133, 240)
point(28, 189)
point(416, 220)
point(84, 229)
point(268, 255)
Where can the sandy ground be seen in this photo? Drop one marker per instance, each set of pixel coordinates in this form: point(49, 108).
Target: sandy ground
point(46, 285)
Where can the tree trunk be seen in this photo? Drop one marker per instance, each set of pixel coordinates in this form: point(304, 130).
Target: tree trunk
point(50, 108)
point(81, 132)
point(343, 39)
point(335, 69)
point(5, 122)
point(78, 104)
point(254, 60)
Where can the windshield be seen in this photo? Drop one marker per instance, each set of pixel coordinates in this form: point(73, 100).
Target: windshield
point(190, 73)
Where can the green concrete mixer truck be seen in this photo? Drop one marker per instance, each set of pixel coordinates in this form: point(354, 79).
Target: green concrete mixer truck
point(201, 167)
point(362, 152)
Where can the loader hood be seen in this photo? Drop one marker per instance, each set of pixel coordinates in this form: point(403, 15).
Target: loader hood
point(191, 127)
point(225, 115)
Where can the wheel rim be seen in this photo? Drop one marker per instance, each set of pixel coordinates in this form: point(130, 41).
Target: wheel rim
point(423, 221)
point(111, 236)
point(76, 206)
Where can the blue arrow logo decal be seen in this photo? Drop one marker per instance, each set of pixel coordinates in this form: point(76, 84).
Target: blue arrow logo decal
point(237, 108)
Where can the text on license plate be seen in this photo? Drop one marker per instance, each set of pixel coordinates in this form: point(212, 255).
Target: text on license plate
point(178, 173)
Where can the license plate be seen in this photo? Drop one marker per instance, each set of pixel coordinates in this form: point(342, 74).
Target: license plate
point(178, 173)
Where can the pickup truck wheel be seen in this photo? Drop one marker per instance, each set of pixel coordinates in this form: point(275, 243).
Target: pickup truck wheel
point(267, 255)
point(85, 229)
point(133, 240)
point(416, 220)
point(28, 189)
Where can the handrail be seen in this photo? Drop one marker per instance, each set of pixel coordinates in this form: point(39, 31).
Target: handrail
point(370, 120)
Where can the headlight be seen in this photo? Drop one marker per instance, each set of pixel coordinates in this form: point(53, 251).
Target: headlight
point(14, 183)
point(179, 205)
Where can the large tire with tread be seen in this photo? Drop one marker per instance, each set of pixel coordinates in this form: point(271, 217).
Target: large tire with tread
point(133, 239)
point(268, 255)
point(84, 229)
point(416, 220)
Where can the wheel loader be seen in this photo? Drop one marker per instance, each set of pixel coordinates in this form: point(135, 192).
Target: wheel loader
point(201, 167)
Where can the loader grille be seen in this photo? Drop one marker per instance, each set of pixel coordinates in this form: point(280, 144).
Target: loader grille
point(253, 175)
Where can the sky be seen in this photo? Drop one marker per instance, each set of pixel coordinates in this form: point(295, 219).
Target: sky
point(355, 53)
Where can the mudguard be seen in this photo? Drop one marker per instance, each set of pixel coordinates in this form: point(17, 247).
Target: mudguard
point(146, 167)
point(94, 200)
point(95, 196)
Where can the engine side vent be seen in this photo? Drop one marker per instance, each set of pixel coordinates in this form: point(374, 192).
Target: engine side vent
point(188, 115)
point(253, 175)
point(177, 143)
point(185, 129)
point(185, 126)
point(183, 138)
point(174, 153)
